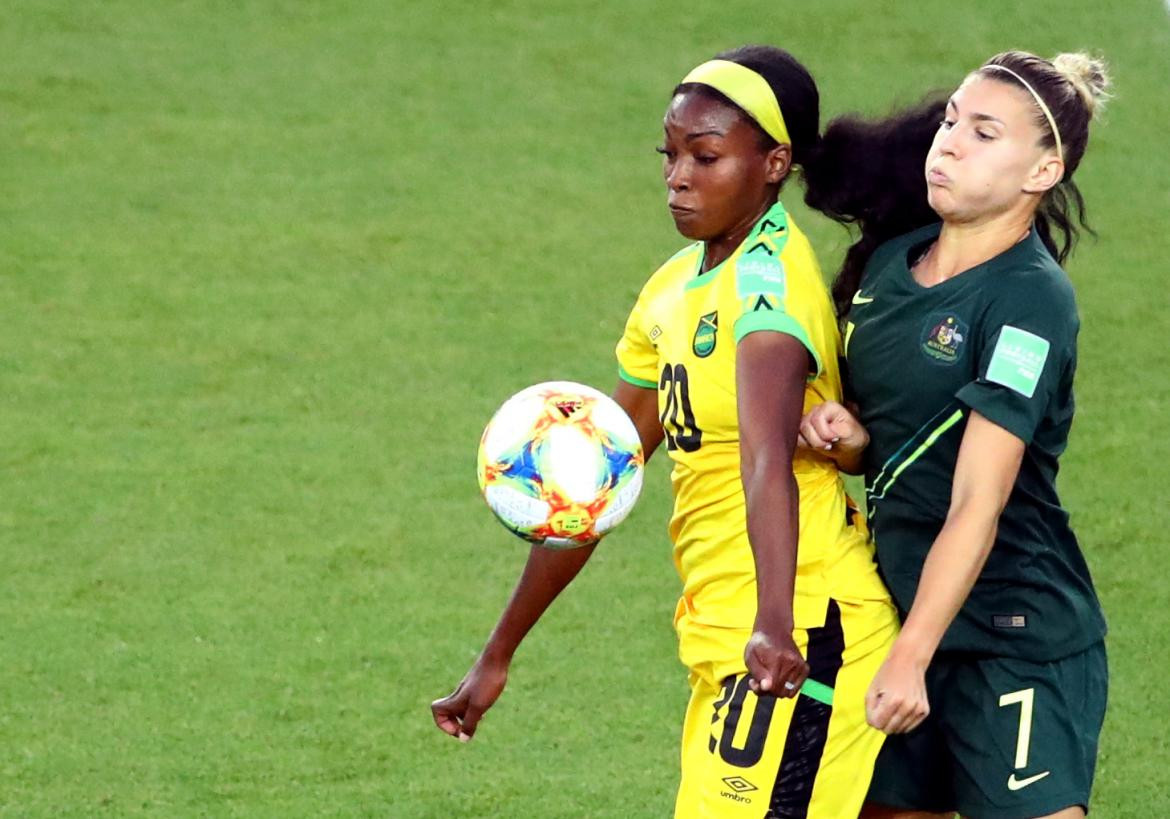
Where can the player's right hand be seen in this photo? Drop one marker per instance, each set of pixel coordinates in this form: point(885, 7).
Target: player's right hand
point(897, 702)
point(774, 663)
point(459, 712)
point(831, 426)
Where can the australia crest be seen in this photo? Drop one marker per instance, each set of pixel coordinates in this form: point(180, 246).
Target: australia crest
point(943, 338)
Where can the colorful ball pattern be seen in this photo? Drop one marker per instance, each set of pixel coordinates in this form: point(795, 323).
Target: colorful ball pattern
point(560, 464)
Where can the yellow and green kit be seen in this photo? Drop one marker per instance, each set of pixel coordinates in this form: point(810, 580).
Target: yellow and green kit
point(741, 754)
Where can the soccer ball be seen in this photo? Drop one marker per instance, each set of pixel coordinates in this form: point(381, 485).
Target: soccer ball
point(560, 464)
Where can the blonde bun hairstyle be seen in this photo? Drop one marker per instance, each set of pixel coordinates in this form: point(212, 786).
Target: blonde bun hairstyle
point(1089, 77)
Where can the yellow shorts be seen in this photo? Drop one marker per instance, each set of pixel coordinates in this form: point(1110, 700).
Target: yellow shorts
point(744, 756)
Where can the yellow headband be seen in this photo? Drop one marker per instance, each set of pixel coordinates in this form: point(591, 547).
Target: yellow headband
point(748, 90)
point(1039, 101)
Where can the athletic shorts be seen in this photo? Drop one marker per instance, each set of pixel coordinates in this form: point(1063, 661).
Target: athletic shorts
point(1005, 738)
point(807, 756)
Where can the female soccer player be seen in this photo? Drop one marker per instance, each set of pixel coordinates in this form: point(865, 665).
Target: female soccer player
point(729, 342)
point(961, 342)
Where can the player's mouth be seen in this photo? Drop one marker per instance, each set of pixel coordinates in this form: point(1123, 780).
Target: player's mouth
point(936, 177)
point(680, 211)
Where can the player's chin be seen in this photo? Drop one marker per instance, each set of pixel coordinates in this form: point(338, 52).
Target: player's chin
point(689, 223)
point(942, 201)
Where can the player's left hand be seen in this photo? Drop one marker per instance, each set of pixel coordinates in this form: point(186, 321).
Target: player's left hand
point(831, 426)
point(774, 663)
point(896, 701)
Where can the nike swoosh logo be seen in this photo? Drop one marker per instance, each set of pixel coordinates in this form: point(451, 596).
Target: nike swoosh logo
point(860, 299)
point(1015, 784)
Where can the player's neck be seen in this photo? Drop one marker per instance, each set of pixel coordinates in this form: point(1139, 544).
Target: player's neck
point(962, 246)
point(716, 251)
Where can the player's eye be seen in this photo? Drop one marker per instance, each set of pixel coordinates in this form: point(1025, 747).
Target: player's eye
point(705, 159)
point(947, 124)
point(984, 136)
point(669, 154)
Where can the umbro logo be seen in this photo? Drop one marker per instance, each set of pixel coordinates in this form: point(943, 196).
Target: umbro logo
point(739, 784)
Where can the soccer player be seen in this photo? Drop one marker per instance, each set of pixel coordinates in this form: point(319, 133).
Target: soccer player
point(961, 343)
point(730, 341)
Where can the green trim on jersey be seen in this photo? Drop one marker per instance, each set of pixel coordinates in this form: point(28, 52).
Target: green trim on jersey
point(761, 286)
point(700, 279)
point(875, 494)
point(777, 322)
point(633, 379)
point(771, 231)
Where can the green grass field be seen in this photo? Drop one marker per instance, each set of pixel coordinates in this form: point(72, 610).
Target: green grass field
point(266, 269)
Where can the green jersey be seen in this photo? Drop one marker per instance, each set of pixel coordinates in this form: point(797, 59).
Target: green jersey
point(1000, 340)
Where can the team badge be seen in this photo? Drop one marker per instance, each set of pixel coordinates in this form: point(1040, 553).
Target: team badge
point(704, 342)
point(943, 338)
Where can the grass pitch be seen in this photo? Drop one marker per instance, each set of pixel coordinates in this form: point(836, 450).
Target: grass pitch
point(267, 269)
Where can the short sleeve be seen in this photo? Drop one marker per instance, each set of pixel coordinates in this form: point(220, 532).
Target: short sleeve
point(763, 290)
point(636, 355)
point(1027, 348)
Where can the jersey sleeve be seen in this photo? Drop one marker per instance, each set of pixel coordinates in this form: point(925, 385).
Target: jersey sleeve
point(1027, 351)
point(636, 355)
point(766, 303)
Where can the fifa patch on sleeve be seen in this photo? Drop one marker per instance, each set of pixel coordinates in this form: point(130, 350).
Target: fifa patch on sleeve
point(1018, 360)
point(759, 276)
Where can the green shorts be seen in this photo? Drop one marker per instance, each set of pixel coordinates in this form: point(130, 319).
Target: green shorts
point(1005, 738)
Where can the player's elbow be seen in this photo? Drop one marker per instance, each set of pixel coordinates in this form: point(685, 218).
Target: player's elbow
point(768, 480)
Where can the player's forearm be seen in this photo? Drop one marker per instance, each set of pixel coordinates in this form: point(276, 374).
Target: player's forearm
point(773, 521)
point(546, 574)
point(952, 566)
point(989, 460)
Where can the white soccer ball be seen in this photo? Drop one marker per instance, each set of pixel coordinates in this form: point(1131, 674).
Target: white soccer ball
point(560, 464)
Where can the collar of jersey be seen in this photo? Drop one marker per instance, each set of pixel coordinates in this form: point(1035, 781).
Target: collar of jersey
point(1028, 247)
point(776, 215)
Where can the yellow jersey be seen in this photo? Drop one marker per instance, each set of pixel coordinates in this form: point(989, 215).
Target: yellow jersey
point(680, 340)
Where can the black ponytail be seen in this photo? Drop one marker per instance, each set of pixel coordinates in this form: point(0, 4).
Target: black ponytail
point(871, 173)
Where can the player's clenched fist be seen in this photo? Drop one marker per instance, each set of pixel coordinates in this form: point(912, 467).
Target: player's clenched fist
point(832, 426)
point(775, 664)
point(896, 701)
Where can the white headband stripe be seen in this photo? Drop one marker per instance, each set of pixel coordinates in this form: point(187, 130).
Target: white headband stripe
point(1039, 101)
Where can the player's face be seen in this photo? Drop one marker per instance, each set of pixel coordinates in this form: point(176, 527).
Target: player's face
point(719, 177)
point(986, 159)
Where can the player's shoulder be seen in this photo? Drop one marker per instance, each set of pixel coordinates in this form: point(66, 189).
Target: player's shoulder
point(791, 263)
point(798, 250)
point(1036, 269)
point(1035, 283)
point(679, 267)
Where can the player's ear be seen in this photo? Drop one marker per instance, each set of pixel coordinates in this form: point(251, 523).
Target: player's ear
point(1046, 174)
point(777, 163)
